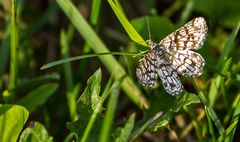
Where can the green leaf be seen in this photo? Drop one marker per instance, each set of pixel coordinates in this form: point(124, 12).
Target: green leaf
point(159, 26)
point(28, 85)
point(36, 132)
point(38, 96)
point(12, 120)
point(86, 105)
point(162, 110)
point(192, 99)
point(159, 114)
point(123, 134)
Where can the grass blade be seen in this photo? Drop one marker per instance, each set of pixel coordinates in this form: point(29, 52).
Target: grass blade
point(62, 61)
point(108, 120)
point(13, 60)
point(211, 129)
point(212, 114)
point(133, 34)
point(235, 118)
point(65, 54)
point(96, 5)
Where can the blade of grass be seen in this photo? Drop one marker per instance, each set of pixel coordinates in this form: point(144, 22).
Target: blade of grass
point(96, 5)
point(13, 57)
point(72, 91)
point(234, 121)
point(210, 125)
point(95, 12)
point(133, 34)
point(62, 61)
point(65, 54)
point(212, 114)
point(224, 72)
point(117, 3)
point(229, 131)
point(108, 120)
point(71, 99)
point(187, 11)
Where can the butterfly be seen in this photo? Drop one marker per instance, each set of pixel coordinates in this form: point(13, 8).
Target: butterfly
point(174, 55)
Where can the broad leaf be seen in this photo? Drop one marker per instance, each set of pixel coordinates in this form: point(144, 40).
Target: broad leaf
point(36, 132)
point(86, 104)
point(38, 96)
point(12, 120)
point(122, 134)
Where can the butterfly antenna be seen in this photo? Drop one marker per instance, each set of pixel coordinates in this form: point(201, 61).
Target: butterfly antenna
point(149, 32)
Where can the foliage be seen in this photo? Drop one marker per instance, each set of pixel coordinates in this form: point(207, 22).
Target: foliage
point(44, 102)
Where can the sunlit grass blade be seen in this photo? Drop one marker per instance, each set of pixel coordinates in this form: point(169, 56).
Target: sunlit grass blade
point(211, 129)
point(96, 5)
point(109, 117)
point(231, 130)
point(13, 56)
point(187, 11)
point(65, 54)
point(212, 114)
point(72, 91)
point(94, 18)
point(62, 61)
point(133, 34)
point(118, 4)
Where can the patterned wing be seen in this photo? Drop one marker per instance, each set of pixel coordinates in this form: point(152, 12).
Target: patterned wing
point(188, 63)
point(190, 36)
point(147, 69)
point(170, 79)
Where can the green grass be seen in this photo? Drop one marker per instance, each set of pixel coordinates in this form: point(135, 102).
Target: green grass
point(67, 72)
